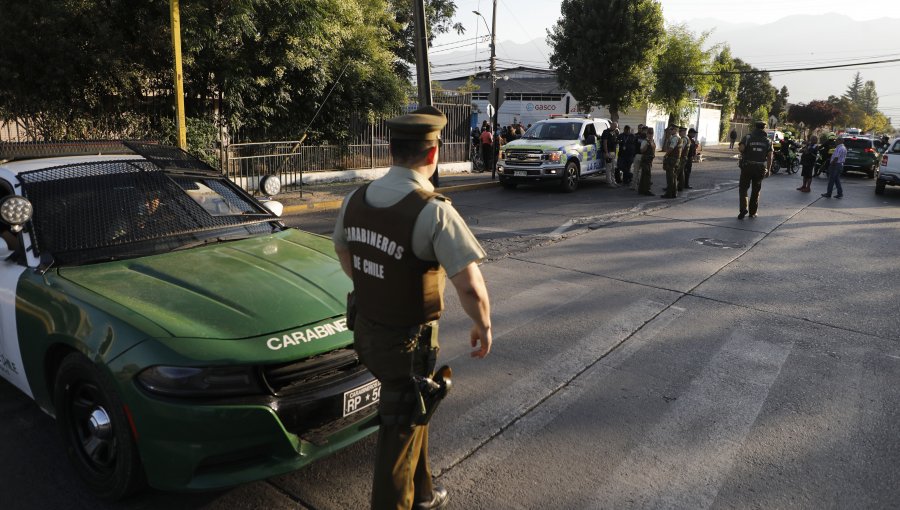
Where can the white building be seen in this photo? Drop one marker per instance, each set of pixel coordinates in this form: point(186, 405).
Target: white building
point(530, 95)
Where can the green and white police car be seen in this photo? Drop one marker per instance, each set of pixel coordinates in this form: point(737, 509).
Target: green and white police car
point(562, 149)
point(179, 333)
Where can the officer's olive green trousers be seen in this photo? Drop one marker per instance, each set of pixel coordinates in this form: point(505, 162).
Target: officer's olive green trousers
point(671, 178)
point(644, 183)
point(402, 470)
point(751, 174)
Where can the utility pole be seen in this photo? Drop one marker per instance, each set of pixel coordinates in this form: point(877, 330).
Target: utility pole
point(180, 126)
point(494, 90)
point(423, 68)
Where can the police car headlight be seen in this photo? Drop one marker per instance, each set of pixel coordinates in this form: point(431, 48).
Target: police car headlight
point(555, 156)
point(270, 185)
point(15, 211)
point(200, 382)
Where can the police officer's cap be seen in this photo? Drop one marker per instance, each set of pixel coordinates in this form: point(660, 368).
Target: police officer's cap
point(692, 130)
point(423, 124)
point(760, 124)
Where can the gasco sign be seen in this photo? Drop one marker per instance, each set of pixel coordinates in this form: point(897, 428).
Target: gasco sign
point(531, 107)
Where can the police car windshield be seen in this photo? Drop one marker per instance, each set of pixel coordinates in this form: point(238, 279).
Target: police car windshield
point(123, 209)
point(554, 131)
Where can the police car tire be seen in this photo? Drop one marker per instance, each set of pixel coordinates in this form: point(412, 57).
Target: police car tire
point(115, 471)
point(570, 177)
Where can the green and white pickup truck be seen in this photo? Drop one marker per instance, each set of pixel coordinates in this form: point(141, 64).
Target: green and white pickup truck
point(179, 333)
point(563, 149)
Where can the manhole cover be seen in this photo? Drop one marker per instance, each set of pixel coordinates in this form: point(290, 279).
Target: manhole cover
point(717, 243)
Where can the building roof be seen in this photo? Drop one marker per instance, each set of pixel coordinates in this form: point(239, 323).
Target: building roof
point(518, 79)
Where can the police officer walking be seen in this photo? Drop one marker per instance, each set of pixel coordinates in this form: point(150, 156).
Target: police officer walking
point(397, 239)
point(756, 159)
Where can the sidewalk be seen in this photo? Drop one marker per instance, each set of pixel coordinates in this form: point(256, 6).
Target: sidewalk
point(322, 197)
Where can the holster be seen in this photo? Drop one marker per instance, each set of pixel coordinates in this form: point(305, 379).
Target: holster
point(430, 392)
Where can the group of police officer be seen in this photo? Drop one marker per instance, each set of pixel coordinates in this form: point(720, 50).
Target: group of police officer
point(680, 145)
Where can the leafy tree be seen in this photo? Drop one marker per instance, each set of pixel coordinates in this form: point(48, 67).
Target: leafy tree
point(725, 88)
point(813, 115)
point(868, 98)
point(603, 50)
point(779, 105)
point(755, 90)
point(76, 69)
point(682, 70)
point(854, 88)
point(439, 15)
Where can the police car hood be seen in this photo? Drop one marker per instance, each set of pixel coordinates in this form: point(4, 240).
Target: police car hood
point(545, 145)
point(228, 290)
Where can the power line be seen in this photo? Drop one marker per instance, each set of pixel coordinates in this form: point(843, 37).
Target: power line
point(816, 68)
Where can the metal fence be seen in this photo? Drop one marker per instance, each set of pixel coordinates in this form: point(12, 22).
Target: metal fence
point(247, 163)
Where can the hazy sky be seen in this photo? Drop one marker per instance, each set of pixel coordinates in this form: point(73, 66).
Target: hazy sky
point(523, 20)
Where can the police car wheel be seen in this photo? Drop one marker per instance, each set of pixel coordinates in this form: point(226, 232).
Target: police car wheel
point(570, 177)
point(96, 433)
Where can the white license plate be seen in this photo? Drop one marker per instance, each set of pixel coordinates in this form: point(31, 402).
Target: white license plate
point(520, 173)
point(360, 398)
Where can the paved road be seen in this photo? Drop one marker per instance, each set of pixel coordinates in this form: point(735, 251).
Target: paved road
point(648, 354)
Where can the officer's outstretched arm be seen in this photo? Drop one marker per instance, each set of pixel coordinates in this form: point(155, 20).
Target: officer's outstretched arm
point(473, 296)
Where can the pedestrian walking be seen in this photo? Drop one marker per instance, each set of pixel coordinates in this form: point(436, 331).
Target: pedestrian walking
point(608, 152)
point(757, 153)
point(732, 136)
point(836, 168)
point(648, 152)
point(672, 148)
point(627, 151)
point(397, 239)
point(808, 163)
point(487, 148)
point(693, 146)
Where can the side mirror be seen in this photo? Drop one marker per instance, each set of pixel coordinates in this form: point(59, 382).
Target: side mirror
point(273, 206)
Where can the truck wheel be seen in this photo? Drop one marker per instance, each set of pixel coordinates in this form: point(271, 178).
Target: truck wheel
point(873, 172)
point(95, 430)
point(570, 177)
point(879, 187)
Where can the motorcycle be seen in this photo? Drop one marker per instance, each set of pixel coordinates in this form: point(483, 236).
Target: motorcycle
point(789, 160)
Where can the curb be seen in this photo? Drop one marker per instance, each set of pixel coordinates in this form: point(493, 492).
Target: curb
point(336, 204)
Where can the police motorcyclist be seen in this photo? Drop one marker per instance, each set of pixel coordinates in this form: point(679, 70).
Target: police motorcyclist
point(756, 161)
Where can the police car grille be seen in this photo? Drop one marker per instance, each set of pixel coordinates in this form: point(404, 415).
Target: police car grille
point(523, 157)
point(312, 373)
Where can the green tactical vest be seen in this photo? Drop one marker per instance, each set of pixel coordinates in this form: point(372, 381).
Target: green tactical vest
point(756, 147)
point(392, 285)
